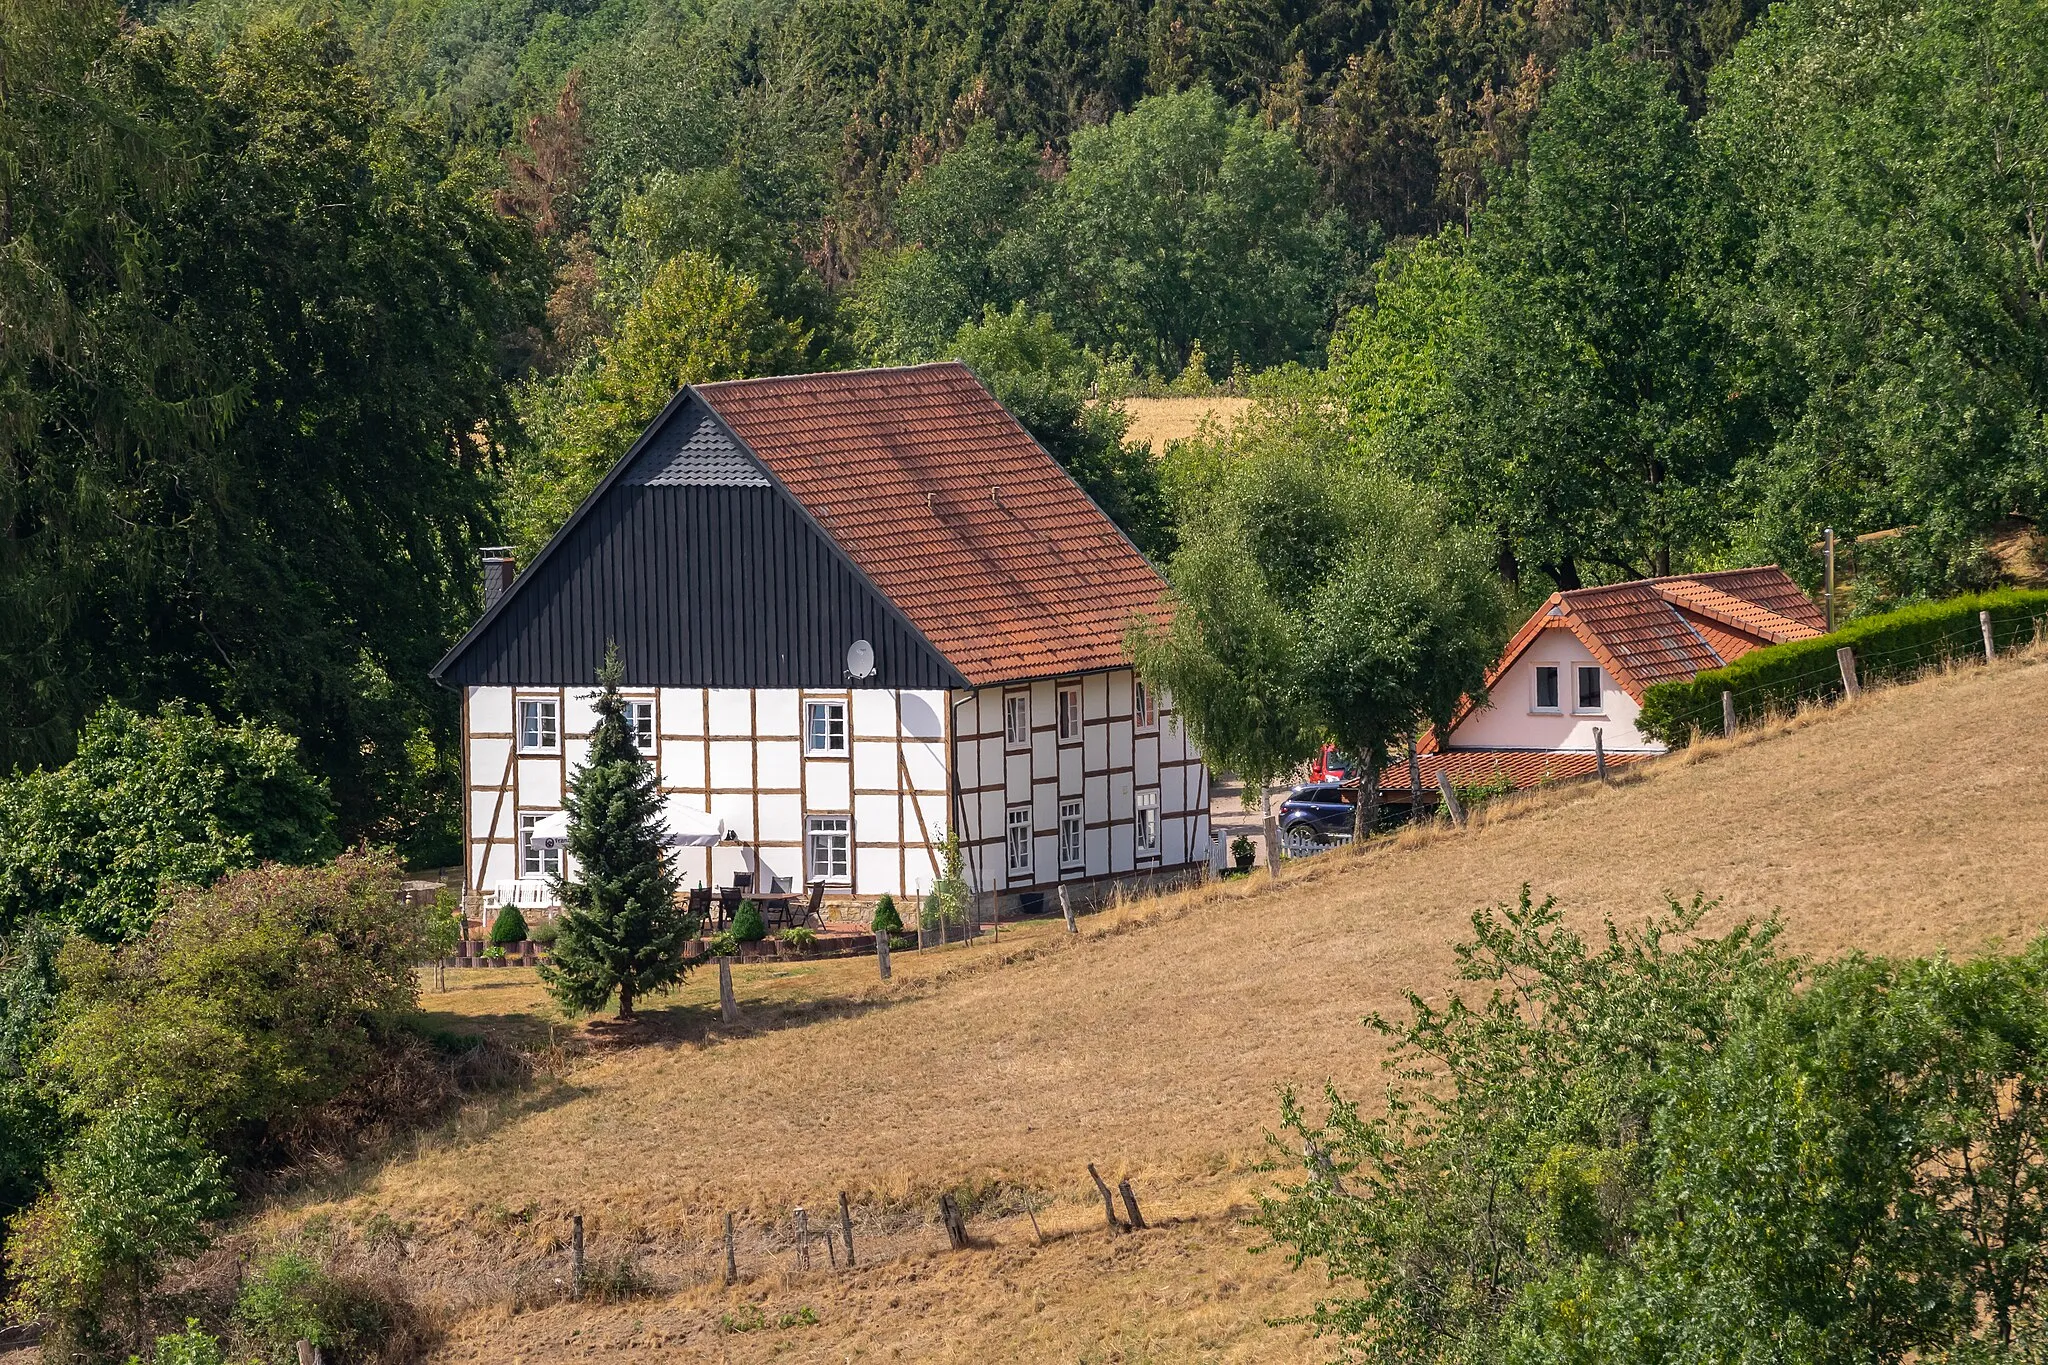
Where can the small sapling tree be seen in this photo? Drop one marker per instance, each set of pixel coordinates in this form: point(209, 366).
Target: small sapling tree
point(622, 930)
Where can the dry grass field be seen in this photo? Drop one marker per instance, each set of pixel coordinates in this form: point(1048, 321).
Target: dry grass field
point(1155, 421)
point(1153, 1046)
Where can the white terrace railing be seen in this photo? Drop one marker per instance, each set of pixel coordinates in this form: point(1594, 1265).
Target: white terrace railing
point(526, 893)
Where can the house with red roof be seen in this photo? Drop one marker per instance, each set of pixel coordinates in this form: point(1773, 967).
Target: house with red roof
point(857, 612)
point(1582, 662)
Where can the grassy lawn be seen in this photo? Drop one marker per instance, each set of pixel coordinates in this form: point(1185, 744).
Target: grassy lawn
point(508, 1004)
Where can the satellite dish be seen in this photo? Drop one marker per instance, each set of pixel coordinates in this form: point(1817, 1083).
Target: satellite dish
point(860, 660)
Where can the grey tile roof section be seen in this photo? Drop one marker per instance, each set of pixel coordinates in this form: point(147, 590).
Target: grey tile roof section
point(692, 451)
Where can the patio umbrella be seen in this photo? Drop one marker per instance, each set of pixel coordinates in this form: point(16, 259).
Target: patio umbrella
point(683, 825)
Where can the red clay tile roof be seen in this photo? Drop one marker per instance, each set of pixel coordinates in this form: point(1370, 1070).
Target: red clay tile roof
point(953, 511)
point(1527, 767)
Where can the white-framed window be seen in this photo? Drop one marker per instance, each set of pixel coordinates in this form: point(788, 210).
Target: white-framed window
point(825, 727)
point(536, 860)
point(1017, 720)
point(828, 841)
point(1148, 821)
point(1068, 710)
point(1070, 834)
point(1546, 689)
point(1018, 843)
point(539, 730)
point(1589, 687)
point(640, 725)
point(1144, 710)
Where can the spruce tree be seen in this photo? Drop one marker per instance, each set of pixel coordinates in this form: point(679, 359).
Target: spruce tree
point(622, 929)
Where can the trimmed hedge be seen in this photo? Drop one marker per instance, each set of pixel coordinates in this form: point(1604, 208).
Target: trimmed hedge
point(1894, 645)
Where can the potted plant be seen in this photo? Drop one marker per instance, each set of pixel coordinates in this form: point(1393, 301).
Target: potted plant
point(1243, 852)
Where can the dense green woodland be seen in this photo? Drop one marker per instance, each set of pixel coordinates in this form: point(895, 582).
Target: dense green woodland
point(300, 304)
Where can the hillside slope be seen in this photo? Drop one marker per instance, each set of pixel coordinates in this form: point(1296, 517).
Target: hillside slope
point(1912, 819)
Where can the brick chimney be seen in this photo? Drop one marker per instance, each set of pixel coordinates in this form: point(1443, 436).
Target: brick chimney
point(499, 569)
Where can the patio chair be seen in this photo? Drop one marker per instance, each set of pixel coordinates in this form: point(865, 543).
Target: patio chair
point(700, 905)
point(728, 905)
point(811, 918)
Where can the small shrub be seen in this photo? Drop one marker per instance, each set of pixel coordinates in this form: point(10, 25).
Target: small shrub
point(747, 925)
point(748, 1317)
point(132, 1194)
point(193, 1346)
point(886, 920)
point(1243, 849)
point(723, 944)
point(542, 934)
point(614, 1279)
point(797, 936)
point(291, 1296)
point(508, 928)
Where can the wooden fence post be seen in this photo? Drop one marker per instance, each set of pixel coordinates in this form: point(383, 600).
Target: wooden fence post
point(576, 1256)
point(803, 1239)
point(1108, 1204)
point(882, 951)
point(1845, 659)
point(1450, 795)
point(728, 1006)
point(1067, 909)
point(1727, 713)
point(305, 1350)
point(732, 1265)
point(1123, 1187)
point(1599, 755)
point(846, 1228)
point(956, 1226)
point(1990, 650)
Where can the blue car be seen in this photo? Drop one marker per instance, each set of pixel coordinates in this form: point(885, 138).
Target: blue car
point(1318, 810)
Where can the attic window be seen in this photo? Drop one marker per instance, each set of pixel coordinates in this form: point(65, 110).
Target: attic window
point(1546, 688)
point(1589, 688)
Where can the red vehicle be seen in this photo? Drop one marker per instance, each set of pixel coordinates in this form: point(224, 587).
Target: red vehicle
point(1331, 766)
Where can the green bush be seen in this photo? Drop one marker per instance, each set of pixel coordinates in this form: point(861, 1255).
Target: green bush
point(725, 944)
point(133, 1193)
point(542, 934)
point(508, 928)
point(246, 1004)
point(290, 1297)
point(1893, 645)
point(193, 1346)
point(746, 923)
point(178, 797)
point(798, 936)
point(886, 920)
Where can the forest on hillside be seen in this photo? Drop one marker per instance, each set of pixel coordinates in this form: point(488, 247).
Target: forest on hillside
point(303, 301)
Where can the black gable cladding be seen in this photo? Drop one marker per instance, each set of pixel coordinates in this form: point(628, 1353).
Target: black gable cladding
point(705, 573)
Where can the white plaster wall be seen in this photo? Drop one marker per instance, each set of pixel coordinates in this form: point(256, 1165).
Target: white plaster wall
point(1510, 720)
point(738, 755)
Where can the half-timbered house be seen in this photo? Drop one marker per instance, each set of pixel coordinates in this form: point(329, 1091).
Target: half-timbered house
point(856, 611)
